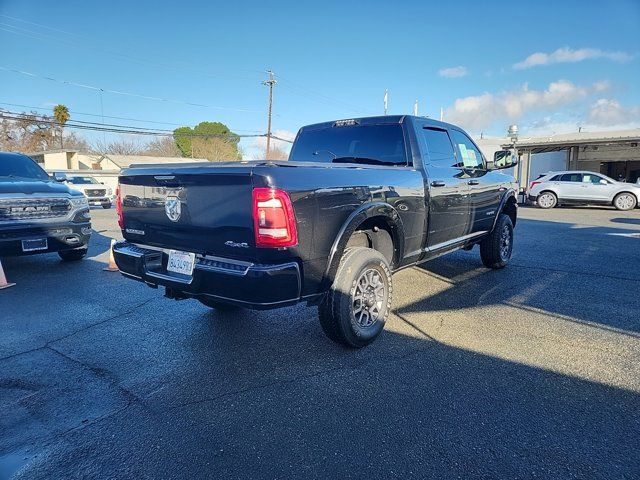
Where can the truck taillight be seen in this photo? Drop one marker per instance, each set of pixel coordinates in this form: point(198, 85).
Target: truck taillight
point(119, 208)
point(273, 218)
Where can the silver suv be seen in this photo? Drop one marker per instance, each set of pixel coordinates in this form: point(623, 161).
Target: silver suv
point(573, 187)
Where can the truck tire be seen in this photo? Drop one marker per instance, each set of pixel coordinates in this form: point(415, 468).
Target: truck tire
point(496, 249)
point(625, 201)
point(223, 307)
point(72, 255)
point(106, 205)
point(354, 310)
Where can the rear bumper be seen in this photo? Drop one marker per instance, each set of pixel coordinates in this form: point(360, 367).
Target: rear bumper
point(63, 236)
point(229, 281)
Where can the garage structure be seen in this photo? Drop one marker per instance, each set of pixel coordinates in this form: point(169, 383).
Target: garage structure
point(615, 154)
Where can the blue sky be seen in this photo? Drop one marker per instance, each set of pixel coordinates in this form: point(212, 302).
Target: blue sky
point(332, 59)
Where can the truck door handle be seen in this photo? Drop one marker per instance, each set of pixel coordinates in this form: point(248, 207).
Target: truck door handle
point(437, 183)
point(473, 182)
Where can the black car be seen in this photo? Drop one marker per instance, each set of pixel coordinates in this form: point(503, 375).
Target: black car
point(39, 214)
point(358, 200)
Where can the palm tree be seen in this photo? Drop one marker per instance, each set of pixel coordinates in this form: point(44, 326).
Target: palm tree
point(61, 114)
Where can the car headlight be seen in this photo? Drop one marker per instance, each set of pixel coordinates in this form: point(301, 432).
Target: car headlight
point(109, 191)
point(80, 201)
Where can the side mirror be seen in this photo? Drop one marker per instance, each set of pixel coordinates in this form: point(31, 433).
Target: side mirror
point(503, 159)
point(59, 177)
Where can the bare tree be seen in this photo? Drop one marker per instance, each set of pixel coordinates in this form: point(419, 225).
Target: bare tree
point(275, 153)
point(30, 133)
point(214, 149)
point(76, 142)
point(162, 147)
point(123, 146)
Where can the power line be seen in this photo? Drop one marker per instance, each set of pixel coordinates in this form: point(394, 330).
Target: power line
point(296, 89)
point(37, 24)
point(125, 129)
point(39, 35)
point(96, 115)
point(319, 97)
point(121, 92)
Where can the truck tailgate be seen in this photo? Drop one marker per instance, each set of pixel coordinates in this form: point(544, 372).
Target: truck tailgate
point(204, 209)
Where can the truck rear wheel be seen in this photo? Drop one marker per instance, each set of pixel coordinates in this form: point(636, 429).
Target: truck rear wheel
point(355, 309)
point(496, 249)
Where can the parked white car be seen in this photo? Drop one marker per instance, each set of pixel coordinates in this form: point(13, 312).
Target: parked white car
point(582, 187)
point(96, 192)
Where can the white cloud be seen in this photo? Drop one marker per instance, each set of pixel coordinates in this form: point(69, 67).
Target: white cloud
point(453, 72)
point(481, 111)
point(608, 112)
point(569, 55)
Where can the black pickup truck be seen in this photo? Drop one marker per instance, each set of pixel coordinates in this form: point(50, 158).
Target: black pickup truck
point(357, 200)
point(39, 214)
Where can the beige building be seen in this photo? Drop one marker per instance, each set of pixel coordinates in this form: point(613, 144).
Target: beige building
point(104, 167)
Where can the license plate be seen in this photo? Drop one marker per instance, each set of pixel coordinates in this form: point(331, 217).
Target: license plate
point(34, 244)
point(181, 262)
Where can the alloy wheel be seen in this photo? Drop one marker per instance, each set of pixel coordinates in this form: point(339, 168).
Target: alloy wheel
point(368, 298)
point(505, 243)
point(545, 200)
point(624, 202)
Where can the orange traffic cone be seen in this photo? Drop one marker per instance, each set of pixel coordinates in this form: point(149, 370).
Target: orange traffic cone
point(112, 267)
point(3, 279)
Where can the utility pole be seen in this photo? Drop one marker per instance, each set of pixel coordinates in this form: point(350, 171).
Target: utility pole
point(270, 83)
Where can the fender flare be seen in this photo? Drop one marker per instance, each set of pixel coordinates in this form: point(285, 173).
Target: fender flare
point(510, 193)
point(357, 217)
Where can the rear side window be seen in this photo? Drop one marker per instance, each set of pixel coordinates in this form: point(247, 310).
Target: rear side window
point(367, 144)
point(555, 178)
point(468, 153)
point(439, 147)
point(571, 177)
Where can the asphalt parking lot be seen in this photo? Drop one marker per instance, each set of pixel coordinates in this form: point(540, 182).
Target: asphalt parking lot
point(528, 372)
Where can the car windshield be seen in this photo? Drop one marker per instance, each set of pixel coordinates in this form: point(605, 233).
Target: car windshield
point(15, 165)
point(367, 144)
point(82, 180)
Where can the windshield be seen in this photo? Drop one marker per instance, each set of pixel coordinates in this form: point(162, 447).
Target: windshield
point(368, 144)
point(82, 180)
point(17, 165)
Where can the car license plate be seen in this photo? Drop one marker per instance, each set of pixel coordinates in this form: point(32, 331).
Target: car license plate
point(34, 244)
point(181, 262)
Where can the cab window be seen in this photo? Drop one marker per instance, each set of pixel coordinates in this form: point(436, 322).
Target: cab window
point(590, 178)
point(571, 177)
point(439, 147)
point(469, 156)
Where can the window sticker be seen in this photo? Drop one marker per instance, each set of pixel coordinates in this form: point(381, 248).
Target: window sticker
point(469, 158)
point(472, 156)
point(464, 152)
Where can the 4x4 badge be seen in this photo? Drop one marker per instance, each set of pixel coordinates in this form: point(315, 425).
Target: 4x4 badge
point(173, 208)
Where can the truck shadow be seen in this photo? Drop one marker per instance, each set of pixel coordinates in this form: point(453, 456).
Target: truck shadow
point(473, 412)
point(586, 274)
point(268, 388)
